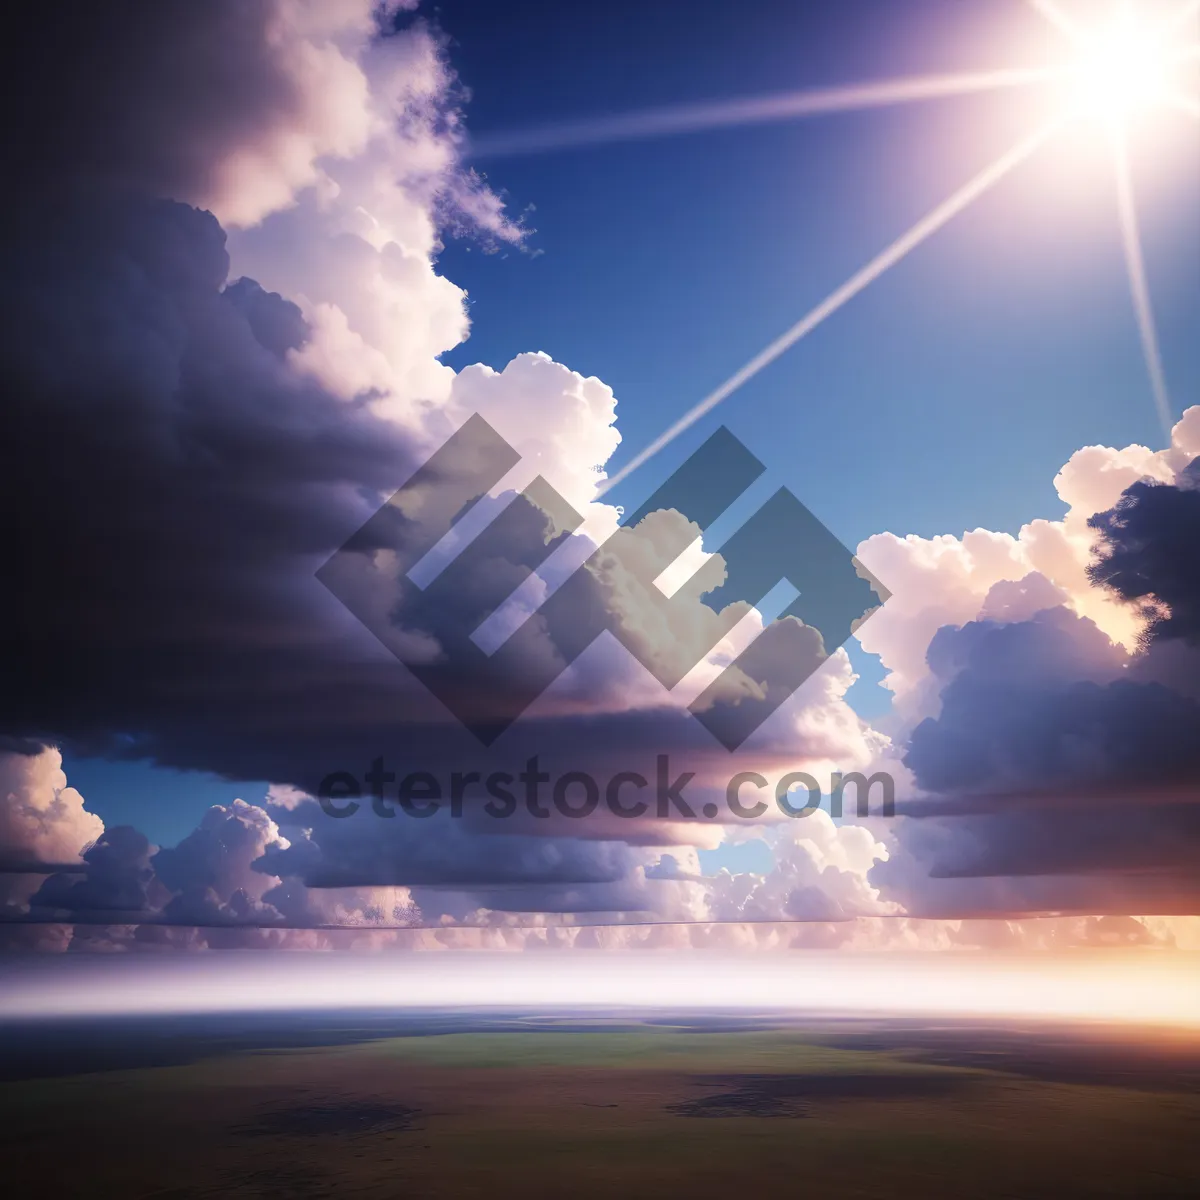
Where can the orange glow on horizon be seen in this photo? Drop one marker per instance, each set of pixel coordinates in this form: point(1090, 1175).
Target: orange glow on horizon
point(1149, 989)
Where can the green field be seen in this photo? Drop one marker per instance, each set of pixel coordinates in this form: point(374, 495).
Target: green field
point(551, 1109)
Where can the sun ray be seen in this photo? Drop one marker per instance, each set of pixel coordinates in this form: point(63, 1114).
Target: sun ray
point(1059, 19)
point(902, 246)
point(750, 110)
point(1135, 265)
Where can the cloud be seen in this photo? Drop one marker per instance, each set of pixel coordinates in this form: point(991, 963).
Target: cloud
point(194, 630)
point(221, 330)
point(236, 106)
point(204, 405)
point(820, 873)
point(117, 878)
point(947, 580)
point(218, 889)
point(1054, 769)
point(42, 819)
point(43, 823)
point(1148, 553)
point(212, 871)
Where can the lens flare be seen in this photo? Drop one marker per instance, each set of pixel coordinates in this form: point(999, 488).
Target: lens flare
point(1124, 68)
point(1118, 69)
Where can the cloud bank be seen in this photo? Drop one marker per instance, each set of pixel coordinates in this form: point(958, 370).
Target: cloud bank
point(221, 322)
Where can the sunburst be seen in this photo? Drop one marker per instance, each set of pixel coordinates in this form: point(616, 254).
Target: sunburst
point(1122, 67)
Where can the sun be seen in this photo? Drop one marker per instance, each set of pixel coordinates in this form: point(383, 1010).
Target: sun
point(1124, 66)
point(1124, 60)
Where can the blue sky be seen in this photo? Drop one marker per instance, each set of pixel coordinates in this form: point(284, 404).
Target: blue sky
point(943, 398)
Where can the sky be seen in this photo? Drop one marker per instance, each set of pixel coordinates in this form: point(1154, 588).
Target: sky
point(256, 277)
point(669, 262)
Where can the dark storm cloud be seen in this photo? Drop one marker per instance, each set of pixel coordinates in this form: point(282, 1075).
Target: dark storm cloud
point(1040, 705)
point(1150, 552)
point(1062, 776)
point(117, 877)
point(396, 853)
point(178, 487)
point(143, 95)
point(935, 869)
point(175, 483)
point(277, 324)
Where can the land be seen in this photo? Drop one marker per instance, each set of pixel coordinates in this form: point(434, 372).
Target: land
point(590, 1104)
